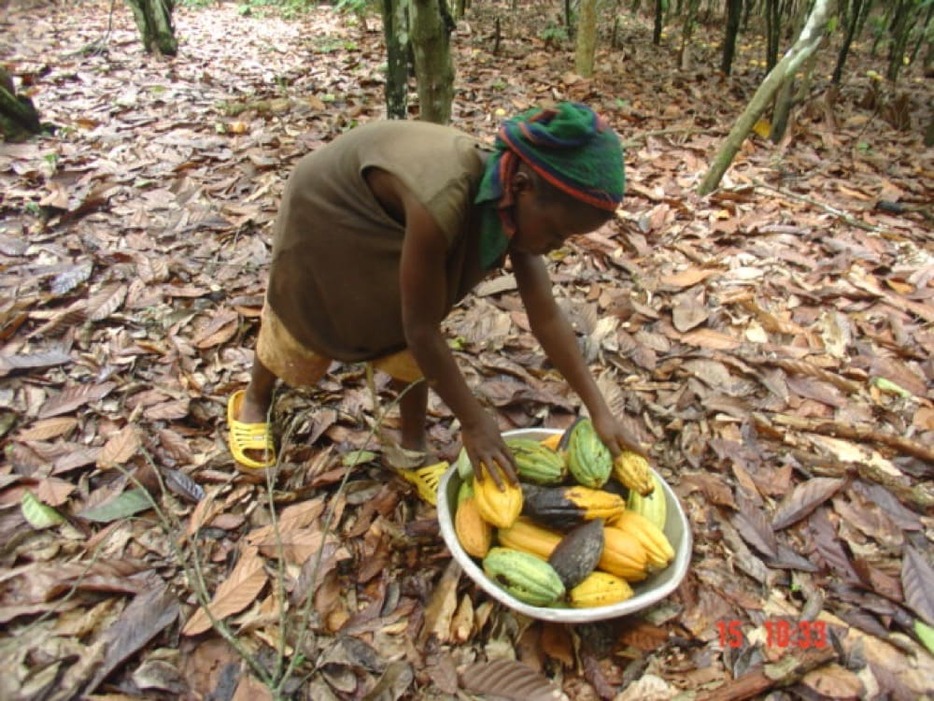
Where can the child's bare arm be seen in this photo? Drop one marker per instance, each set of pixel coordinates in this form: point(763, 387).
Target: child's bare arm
point(559, 342)
point(424, 289)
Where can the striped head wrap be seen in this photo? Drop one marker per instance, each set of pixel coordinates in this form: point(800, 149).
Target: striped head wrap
point(569, 146)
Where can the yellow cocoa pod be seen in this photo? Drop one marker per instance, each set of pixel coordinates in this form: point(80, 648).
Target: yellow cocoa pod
point(657, 546)
point(499, 508)
point(633, 471)
point(623, 555)
point(599, 589)
point(474, 534)
point(527, 536)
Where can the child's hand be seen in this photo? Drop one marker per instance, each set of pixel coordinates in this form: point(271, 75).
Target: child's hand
point(615, 436)
point(487, 450)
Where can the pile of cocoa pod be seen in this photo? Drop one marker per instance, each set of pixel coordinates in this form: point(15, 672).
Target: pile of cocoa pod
point(578, 529)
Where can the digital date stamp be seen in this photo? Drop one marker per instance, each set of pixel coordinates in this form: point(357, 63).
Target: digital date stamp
point(779, 633)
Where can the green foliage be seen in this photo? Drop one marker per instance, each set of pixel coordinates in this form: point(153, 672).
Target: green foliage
point(357, 7)
point(554, 34)
point(330, 44)
point(196, 3)
point(288, 8)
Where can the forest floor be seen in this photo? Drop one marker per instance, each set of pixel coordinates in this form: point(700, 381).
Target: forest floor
point(772, 341)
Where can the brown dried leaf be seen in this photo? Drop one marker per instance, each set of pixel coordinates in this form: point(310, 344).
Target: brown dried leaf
point(119, 448)
point(33, 361)
point(48, 428)
point(508, 679)
point(68, 280)
point(106, 302)
point(711, 339)
point(74, 397)
point(557, 643)
point(834, 682)
point(152, 269)
point(218, 330)
point(183, 485)
point(148, 614)
point(174, 445)
point(805, 497)
point(752, 525)
point(828, 546)
point(167, 411)
point(79, 456)
point(715, 488)
point(918, 584)
point(54, 491)
point(688, 277)
point(234, 594)
point(688, 314)
point(440, 609)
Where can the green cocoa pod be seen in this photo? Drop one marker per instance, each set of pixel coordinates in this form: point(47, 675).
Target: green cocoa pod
point(526, 577)
point(536, 463)
point(590, 463)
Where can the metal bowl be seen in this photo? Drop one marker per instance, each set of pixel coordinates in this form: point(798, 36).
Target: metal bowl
point(646, 593)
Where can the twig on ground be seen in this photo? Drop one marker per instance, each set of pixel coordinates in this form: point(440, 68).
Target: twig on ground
point(783, 673)
point(918, 496)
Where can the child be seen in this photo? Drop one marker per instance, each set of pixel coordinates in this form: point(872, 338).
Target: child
point(383, 230)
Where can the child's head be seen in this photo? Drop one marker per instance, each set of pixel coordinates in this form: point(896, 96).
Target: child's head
point(556, 172)
point(546, 216)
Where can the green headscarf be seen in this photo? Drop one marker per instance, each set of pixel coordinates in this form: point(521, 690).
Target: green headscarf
point(569, 146)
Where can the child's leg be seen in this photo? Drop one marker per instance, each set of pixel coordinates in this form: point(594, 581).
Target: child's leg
point(258, 395)
point(413, 404)
point(413, 407)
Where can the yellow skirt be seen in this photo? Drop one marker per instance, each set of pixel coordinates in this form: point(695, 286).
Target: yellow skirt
point(299, 366)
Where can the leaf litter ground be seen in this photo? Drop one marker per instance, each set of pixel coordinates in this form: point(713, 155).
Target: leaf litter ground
point(773, 342)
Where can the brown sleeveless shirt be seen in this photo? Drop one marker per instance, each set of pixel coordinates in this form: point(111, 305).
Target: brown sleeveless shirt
point(334, 277)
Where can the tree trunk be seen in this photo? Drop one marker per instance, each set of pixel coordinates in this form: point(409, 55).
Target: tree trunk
point(807, 43)
point(18, 116)
point(780, 114)
point(687, 31)
point(900, 29)
point(773, 29)
point(154, 21)
point(659, 22)
point(396, 53)
point(847, 41)
point(586, 38)
point(430, 33)
point(734, 11)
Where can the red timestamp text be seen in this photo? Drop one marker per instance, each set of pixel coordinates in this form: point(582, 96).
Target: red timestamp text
point(779, 632)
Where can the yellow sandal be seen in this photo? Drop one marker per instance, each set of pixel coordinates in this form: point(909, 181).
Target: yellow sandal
point(426, 480)
point(243, 437)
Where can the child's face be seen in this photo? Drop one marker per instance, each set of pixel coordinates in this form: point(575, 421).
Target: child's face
point(543, 226)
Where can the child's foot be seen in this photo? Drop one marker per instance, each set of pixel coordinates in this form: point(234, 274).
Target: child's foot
point(249, 439)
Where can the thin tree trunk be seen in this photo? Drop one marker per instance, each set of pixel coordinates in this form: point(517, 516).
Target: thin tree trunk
point(430, 33)
point(773, 20)
point(810, 39)
point(847, 41)
point(396, 53)
point(900, 29)
point(659, 22)
point(154, 21)
point(586, 38)
point(734, 11)
point(687, 31)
